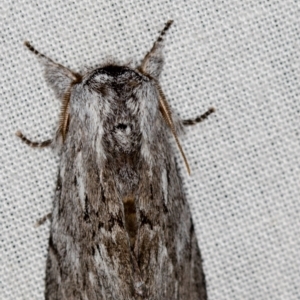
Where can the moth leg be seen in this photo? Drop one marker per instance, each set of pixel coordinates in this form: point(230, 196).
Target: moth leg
point(42, 220)
point(32, 144)
point(199, 119)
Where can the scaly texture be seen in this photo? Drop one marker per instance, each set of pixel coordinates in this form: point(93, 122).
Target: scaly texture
point(120, 226)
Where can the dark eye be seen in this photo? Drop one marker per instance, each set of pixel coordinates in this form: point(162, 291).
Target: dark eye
point(121, 126)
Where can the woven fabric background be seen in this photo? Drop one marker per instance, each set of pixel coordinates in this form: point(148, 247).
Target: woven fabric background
point(241, 57)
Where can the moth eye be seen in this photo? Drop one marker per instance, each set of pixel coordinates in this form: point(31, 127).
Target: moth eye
point(121, 126)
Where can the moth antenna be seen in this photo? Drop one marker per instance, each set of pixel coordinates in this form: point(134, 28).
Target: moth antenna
point(72, 75)
point(32, 144)
point(154, 55)
point(53, 67)
point(34, 51)
point(181, 151)
point(166, 112)
point(64, 115)
point(163, 32)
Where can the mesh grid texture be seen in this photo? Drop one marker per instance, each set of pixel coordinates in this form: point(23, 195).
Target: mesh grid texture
point(241, 57)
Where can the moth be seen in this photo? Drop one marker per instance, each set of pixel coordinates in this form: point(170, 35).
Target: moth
point(121, 227)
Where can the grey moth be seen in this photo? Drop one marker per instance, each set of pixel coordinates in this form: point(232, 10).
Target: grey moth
point(121, 227)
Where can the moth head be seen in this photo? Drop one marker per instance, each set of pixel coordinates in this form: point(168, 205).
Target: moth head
point(113, 94)
point(114, 80)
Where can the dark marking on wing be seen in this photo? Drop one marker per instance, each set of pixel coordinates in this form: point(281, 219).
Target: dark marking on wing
point(86, 215)
point(115, 219)
point(130, 218)
point(145, 220)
